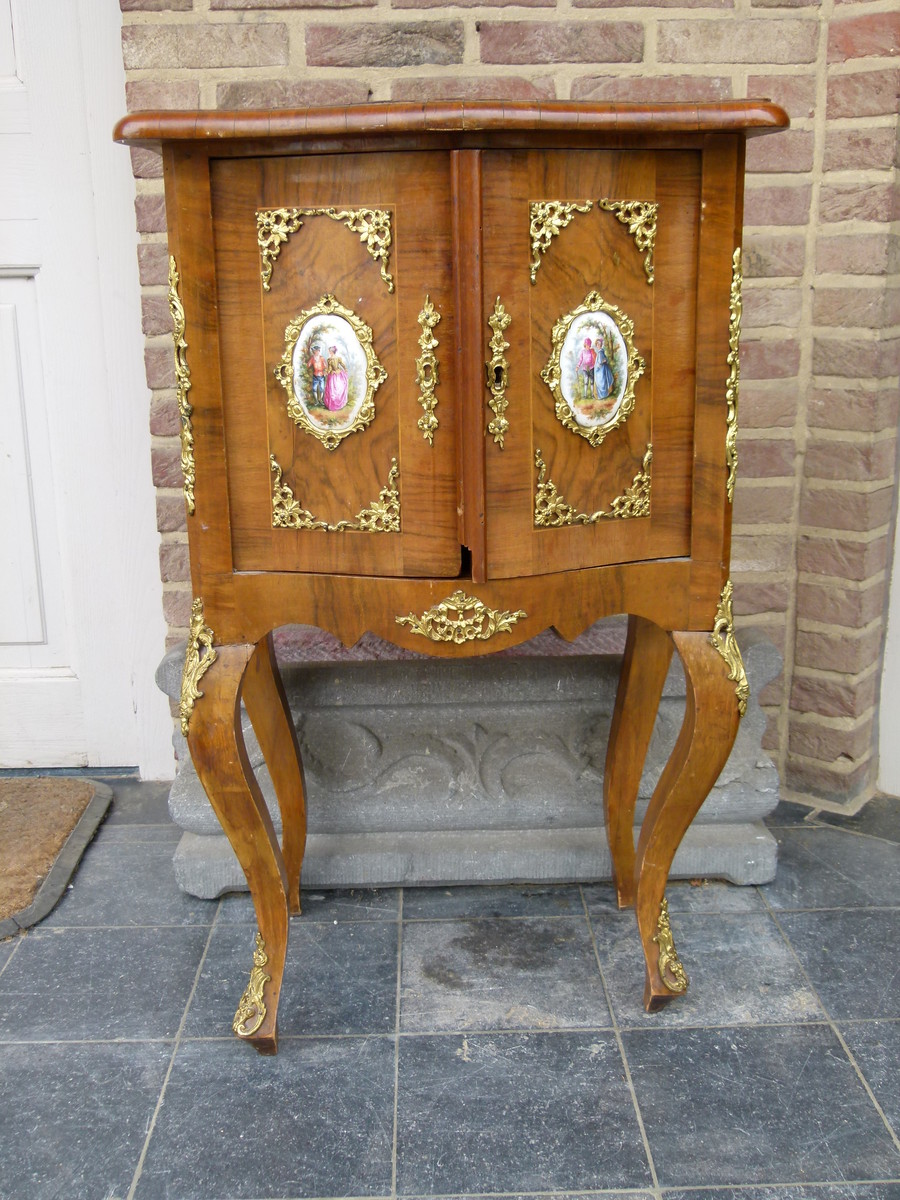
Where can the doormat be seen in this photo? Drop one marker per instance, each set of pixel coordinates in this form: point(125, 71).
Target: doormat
point(46, 822)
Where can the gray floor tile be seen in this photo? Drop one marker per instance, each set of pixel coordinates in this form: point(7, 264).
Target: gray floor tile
point(787, 813)
point(739, 967)
point(520, 973)
point(126, 884)
point(352, 904)
point(317, 1120)
point(99, 983)
point(712, 896)
point(848, 957)
point(6, 948)
point(74, 1117)
point(822, 1191)
point(824, 868)
point(510, 900)
point(338, 979)
point(746, 1106)
point(879, 818)
point(138, 802)
point(515, 1112)
point(876, 1047)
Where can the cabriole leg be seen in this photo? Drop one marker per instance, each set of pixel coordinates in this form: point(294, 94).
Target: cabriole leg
point(220, 757)
point(701, 751)
point(648, 651)
point(264, 696)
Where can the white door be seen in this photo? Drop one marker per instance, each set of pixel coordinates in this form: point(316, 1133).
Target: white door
point(81, 627)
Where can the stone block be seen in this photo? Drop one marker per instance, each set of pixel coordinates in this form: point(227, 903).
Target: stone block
point(433, 771)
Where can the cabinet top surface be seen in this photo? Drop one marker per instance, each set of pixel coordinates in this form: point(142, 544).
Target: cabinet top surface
point(488, 118)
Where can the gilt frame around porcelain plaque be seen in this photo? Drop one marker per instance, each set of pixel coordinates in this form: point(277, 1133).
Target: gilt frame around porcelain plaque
point(330, 372)
point(593, 368)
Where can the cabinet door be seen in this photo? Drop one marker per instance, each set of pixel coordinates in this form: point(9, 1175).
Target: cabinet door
point(335, 309)
point(590, 268)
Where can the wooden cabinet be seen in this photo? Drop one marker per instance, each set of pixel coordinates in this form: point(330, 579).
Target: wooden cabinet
point(455, 374)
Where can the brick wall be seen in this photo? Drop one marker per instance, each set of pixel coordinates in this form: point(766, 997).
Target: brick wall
point(817, 488)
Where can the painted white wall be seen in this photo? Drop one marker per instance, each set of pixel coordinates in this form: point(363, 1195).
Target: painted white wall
point(889, 716)
point(79, 646)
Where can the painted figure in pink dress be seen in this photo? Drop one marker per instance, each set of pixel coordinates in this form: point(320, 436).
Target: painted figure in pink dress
point(586, 368)
point(336, 382)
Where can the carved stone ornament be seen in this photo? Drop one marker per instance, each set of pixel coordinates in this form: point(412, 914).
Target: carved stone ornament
point(593, 368)
point(671, 971)
point(275, 225)
point(722, 637)
point(461, 618)
point(497, 369)
point(427, 370)
point(251, 1011)
point(551, 510)
point(548, 219)
point(330, 372)
point(734, 374)
point(640, 217)
point(182, 387)
point(199, 657)
point(382, 515)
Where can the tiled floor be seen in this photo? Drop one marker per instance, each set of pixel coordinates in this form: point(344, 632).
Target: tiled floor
point(460, 1042)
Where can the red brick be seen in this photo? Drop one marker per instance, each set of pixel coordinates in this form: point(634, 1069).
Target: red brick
point(285, 93)
point(150, 211)
point(156, 315)
point(751, 598)
point(155, 47)
point(843, 306)
point(177, 602)
point(777, 205)
point(870, 35)
point(833, 508)
point(761, 553)
point(282, 4)
point(561, 41)
point(854, 253)
point(855, 357)
point(164, 418)
point(732, 40)
point(153, 263)
point(174, 562)
point(859, 149)
point(840, 603)
point(773, 255)
point(146, 164)
point(473, 3)
point(833, 698)
point(652, 89)
point(856, 202)
point(169, 93)
point(841, 558)
point(166, 465)
point(656, 3)
point(156, 5)
point(795, 92)
point(865, 94)
point(159, 363)
point(764, 306)
point(844, 408)
point(766, 458)
point(853, 461)
point(509, 87)
point(841, 652)
point(765, 405)
point(385, 44)
point(837, 782)
point(789, 151)
point(775, 359)
point(827, 743)
point(171, 516)
point(763, 505)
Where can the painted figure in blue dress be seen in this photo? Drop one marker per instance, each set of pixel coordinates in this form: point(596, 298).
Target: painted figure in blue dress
point(603, 375)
